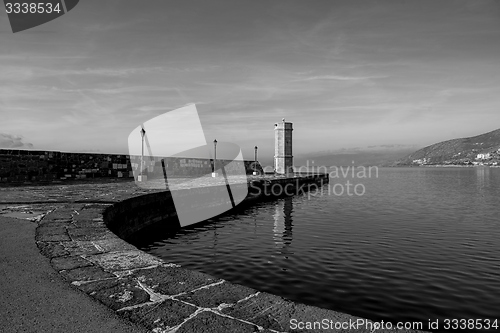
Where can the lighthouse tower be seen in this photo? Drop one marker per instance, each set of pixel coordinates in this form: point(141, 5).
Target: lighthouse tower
point(283, 158)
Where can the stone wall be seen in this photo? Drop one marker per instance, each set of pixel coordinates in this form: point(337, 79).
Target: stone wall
point(37, 165)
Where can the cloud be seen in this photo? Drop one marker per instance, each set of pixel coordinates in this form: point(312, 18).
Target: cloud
point(342, 78)
point(22, 72)
point(12, 141)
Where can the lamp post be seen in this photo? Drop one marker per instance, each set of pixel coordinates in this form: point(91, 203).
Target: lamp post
point(255, 162)
point(141, 177)
point(214, 174)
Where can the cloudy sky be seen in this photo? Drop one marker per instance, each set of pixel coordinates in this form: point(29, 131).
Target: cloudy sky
point(346, 73)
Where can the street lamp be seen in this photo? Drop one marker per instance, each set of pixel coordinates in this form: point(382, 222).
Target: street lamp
point(255, 163)
point(214, 174)
point(141, 177)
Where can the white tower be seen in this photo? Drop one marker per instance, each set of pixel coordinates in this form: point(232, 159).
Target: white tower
point(283, 158)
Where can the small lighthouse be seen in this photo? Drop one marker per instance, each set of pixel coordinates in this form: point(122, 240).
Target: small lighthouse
point(283, 158)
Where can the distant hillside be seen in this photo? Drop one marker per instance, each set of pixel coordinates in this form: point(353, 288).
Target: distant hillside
point(462, 151)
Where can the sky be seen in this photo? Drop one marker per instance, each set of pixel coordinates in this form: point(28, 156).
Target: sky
point(345, 73)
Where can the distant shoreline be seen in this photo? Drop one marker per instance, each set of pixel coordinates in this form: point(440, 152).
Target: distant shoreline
point(444, 166)
point(407, 166)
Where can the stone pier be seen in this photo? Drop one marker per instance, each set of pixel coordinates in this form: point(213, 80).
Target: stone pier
point(80, 229)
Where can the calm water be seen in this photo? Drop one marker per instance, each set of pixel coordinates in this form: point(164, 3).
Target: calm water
point(419, 244)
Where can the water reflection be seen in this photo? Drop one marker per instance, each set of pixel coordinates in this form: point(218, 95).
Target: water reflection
point(214, 255)
point(483, 175)
point(283, 223)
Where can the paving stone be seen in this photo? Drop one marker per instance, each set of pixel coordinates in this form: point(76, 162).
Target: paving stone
point(60, 214)
point(124, 260)
point(91, 210)
point(88, 215)
point(89, 224)
point(274, 312)
point(31, 213)
point(114, 244)
point(224, 293)
point(86, 274)
point(122, 294)
point(208, 322)
point(90, 287)
point(52, 249)
point(52, 238)
point(306, 313)
point(74, 205)
point(173, 280)
point(86, 234)
point(60, 263)
point(55, 222)
point(77, 248)
point(97, 246)
point(266, 310)
point(51, 229)
point(160, 316)
point(95, 206)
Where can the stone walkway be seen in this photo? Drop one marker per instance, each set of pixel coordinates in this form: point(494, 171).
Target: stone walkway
point(34, 298)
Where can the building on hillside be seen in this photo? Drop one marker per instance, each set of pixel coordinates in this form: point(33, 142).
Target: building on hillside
point(483, 156)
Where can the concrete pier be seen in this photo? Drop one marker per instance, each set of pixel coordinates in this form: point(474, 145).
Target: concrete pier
point(80, 230)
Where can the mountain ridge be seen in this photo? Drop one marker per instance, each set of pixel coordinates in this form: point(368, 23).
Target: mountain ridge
point(461, 151)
